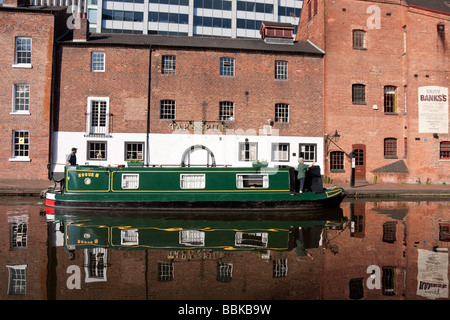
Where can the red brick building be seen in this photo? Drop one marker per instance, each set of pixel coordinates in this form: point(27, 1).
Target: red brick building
point(27, 35)
point(386, 87)
point(184, 100)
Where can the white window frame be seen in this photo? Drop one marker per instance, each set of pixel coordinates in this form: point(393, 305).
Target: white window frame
point(91, 129)
point(129, 154)
point(227, 67)
point(14, 92)
point(304, 151)
point(98, 65)
point(16, 63)
point(17, 281)
point(98, 273)
point(224, 270)
point(129, 237)
point(19, 158)
point(281, 70)
point(278, 154)
point(280, 268)
point(240, 239)
point(226, 111)
point(169, 64)
point(282, 112)
point(130, 181)
point(99, 156)
point(165, 271)
point(241, 178)
point(192, 181)
point(193, 238)
point(252, 152)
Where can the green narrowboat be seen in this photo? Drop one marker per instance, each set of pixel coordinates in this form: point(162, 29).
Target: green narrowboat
point(134, 233)
point(188, 187)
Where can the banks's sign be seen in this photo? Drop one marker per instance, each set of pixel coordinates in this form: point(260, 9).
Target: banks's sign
point(433, 109)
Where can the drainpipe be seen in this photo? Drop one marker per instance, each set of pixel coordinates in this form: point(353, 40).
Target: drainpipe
point(147, 144)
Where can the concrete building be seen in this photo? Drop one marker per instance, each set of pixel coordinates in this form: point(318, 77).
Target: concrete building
point(386, 87)
point(218, 18)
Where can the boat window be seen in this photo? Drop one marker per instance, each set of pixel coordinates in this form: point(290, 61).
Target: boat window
point(192, 181)
point(252, 181)
point(250, 239)
point(130, 181)
point(129, 237)
point(192, 237)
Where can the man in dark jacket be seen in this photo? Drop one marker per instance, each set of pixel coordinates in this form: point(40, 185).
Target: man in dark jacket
point(72, 158)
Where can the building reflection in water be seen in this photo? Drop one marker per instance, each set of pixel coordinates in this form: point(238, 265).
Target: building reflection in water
point(379, 250)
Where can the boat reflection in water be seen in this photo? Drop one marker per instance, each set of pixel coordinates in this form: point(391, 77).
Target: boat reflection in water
point(169, 256)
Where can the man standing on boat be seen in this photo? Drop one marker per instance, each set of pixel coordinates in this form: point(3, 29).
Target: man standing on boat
point(302, 167)
point(72, 158)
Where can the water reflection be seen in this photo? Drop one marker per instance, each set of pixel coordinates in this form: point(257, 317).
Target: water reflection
point(365, 250)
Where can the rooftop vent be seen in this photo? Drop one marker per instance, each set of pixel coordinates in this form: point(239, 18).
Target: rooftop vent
point(277, 33)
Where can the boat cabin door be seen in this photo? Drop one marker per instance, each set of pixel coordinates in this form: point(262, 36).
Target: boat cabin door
point(198, 155)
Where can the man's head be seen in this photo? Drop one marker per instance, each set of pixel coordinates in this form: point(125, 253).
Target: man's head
point(301, 160)
point(74, 150)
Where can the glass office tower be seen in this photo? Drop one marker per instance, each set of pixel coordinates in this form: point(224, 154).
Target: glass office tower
point(218, 18)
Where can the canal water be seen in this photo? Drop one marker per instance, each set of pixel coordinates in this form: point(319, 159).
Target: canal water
point(365, 250)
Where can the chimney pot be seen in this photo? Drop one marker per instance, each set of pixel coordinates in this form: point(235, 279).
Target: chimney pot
point(81, 30)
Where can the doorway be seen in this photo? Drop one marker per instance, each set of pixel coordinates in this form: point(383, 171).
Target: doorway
point(359, 152)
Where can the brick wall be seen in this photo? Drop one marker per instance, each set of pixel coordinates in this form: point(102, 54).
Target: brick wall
point(124, 81)
point(383, 62)
point(198, 88)
point(39, 26)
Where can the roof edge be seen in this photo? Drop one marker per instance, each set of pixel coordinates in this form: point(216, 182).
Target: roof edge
point(428, 9)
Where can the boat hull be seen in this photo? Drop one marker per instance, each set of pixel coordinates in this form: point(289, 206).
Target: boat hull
point(330, 199)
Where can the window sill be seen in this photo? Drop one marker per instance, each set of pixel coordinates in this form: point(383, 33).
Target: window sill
point(360, 48)
point(360, 103)
point(21, 113)
point(23, 159)
point(22, 66)
point(337, 171)
point(390, 157)
point(391, 113)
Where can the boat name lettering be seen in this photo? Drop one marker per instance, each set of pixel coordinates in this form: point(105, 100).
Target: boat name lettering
point(88, 174)
point(88, 241)
point(198, 126)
